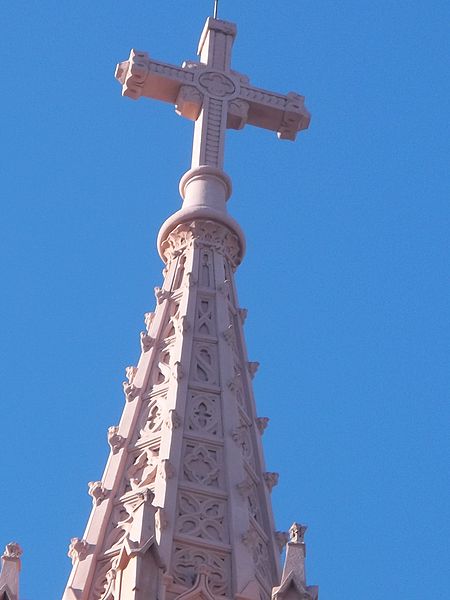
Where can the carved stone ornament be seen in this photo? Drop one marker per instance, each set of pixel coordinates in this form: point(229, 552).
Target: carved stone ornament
point(252, 368)
point(205, 234)
point(200, 590)
point(146, 341)
point(271, 480)
point(281, 537)
point(295, 117)
point(130, 373)
point(78, 549)
point(189, 102)
point(297, 533)
point(98, 492)
point(130, 390)
point(187, 560)
point(237, 113)
point(115, 440)
point(142, 471)
point(161, 295)
point(12, 550)
point(216, 84)
point(242, 312)
point(261, 424)
point(133, 73)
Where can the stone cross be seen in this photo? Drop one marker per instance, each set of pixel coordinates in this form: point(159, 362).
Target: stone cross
point(212, 95)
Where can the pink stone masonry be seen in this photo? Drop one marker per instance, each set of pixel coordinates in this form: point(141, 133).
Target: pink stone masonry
point(183, 509)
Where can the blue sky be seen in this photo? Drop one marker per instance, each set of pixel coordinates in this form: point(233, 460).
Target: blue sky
point(345, 278)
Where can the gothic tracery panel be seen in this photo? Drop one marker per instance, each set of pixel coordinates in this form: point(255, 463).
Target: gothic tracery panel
point(204, 366)
point(202, 517)
point(205, 323)
point(206, 269)
point(186, 561)
point(202, 464)
point(204, 413)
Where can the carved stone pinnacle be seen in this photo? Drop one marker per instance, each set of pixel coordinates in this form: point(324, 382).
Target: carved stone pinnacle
point(297, 533)
point(12, 550)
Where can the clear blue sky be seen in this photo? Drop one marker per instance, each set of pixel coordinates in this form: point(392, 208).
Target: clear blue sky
point(345, 278)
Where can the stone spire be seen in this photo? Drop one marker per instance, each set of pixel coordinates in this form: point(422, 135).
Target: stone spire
point(9, 575)
point(183, 508)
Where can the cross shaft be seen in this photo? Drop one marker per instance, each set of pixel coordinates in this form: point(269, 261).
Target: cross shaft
point(212, 95)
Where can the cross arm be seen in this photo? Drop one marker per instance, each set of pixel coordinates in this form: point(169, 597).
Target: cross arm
point(286, 115)
point(142, 76)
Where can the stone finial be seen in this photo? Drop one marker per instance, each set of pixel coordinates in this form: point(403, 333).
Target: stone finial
point(12, 550)
point(297, 533)
point(293, 584)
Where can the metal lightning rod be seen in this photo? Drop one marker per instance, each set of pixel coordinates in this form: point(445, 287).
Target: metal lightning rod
point(216, 8)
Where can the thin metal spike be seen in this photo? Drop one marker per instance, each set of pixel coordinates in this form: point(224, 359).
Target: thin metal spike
point(216, 8)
